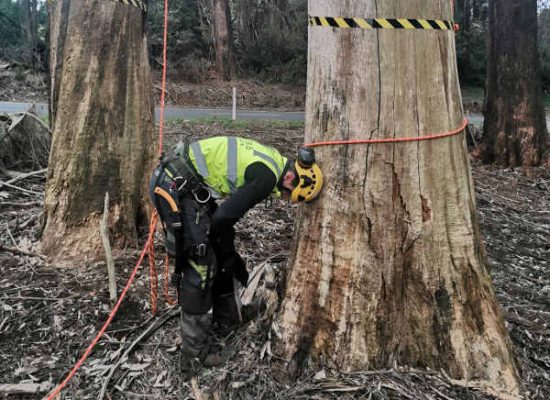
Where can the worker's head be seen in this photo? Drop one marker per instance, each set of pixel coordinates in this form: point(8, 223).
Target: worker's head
point(303, 179)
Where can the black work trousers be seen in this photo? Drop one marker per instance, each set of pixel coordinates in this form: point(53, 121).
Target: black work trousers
point(206, 268)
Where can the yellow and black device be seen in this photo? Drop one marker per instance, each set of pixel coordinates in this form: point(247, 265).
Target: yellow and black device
point(310, 177)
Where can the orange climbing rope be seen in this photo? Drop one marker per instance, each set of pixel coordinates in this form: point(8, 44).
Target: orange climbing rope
point(153, 280)
point(391, 140)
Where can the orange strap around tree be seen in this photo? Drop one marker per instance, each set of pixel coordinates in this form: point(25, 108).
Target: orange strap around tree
point(391, 140)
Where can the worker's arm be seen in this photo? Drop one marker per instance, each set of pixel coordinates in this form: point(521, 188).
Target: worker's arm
point(260, 181)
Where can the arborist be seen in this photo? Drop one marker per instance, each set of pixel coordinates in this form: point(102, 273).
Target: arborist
point(185, 188)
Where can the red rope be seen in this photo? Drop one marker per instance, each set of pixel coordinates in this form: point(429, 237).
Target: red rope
point(391, 140)
point(148, 245)
point(153, 277)
point(106, 324)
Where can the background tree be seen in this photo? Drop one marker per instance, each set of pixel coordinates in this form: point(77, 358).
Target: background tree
point(389, 267)
point(189, 40)
point(269, 39)
point(102, 120)
point(30, 25)
point(223, 38)
point(544, 47)
point(272, 39)
point(471, 41)
point(515, 126)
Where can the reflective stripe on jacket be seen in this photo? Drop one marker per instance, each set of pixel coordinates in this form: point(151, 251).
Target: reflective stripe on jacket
point(222, 162)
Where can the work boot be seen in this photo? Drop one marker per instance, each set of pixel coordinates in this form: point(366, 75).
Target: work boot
point(194, 340)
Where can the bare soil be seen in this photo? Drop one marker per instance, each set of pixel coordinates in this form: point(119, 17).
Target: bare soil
point(49, 315)
point(251, 94)
point(21, 85)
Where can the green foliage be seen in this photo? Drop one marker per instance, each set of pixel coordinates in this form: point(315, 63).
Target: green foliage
point(472, 54)
point(275, 49)
point(471, 49)
point(188, 51)
point(13, 38)
point(270, 39)
point(11, 33)
point(544, 47)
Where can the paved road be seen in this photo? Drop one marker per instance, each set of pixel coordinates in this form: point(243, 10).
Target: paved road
point(179, 112)
point(195, 113)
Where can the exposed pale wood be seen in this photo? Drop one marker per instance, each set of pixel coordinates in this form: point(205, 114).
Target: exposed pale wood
point(104, 228)
point(254, 280)
point(197, 393)
point(388, 266)
point(24, 388)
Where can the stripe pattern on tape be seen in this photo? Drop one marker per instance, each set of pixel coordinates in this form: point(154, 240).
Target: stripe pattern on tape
point(135, 3)
point(381, 23)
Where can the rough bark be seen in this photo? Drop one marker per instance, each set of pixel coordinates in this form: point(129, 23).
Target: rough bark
point(388, 266)
point(223, 38)
point(515, 132)
point(102, 122)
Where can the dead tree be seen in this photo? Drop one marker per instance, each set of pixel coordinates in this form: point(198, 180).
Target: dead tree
point(388, 266)
point(102, 121)
point(515, 132)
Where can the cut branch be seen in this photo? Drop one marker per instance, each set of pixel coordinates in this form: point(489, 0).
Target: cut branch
point(16, 250)
point(104, 230)
point(24, 176)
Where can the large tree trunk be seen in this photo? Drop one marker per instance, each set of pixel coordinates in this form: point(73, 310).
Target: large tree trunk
point(102, 120)
point(223, 38)
point(515, 132)
point(388, 266)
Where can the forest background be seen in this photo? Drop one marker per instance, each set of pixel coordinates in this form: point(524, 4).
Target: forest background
point(269, 41)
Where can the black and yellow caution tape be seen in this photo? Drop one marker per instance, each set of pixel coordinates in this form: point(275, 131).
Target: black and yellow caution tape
point(135, 3)
point(381, 23)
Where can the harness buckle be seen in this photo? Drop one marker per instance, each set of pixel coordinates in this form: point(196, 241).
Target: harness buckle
point(199, 249)
point(206, 199)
